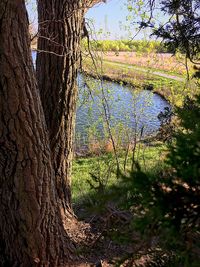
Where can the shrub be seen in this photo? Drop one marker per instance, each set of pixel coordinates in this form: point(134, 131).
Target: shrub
point(167, 205)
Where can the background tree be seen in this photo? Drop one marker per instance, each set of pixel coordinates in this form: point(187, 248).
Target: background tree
point(179, 29)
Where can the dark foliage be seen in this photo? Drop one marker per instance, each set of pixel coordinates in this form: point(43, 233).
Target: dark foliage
point(182, 30)
point(166, 126)
point(185, 153)
point(168, 205)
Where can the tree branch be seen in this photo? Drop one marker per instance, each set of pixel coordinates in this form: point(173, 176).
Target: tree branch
point(91, 3)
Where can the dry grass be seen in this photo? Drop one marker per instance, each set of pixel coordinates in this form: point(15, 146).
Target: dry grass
point(165, 62)
point(136, 78)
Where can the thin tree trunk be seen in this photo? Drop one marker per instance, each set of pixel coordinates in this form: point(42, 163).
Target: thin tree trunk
point(60, 30)
point(31, 230)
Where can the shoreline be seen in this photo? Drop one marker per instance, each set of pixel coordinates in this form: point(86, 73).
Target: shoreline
point(118, 80)
point(167, 88)
point(134, 78)
point(86, 151)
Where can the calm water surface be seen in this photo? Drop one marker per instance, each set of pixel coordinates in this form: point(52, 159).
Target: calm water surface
point(128, 110)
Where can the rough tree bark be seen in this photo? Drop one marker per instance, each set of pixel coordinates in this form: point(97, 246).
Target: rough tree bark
point(57, 64)
point(31, 230)
point(60, 24)
point(32, 225)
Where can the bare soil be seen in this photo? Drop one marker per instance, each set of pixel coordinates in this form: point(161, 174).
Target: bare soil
point(98, 244)
point(94, 242)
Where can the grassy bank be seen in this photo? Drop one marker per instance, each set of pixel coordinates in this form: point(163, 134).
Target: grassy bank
point(95, 174)
point(170, 89)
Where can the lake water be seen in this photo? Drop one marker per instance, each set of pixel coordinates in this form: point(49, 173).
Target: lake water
point(128, 110)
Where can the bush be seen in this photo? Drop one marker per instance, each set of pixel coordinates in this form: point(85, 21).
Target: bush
point(167, 205)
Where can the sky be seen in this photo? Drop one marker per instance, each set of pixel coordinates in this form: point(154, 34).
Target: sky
point(108, 17)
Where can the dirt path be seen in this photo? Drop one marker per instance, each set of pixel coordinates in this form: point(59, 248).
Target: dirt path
point(157, 73)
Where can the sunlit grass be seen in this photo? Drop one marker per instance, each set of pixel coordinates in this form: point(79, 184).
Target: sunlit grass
point(172, 90)
point(150, 157)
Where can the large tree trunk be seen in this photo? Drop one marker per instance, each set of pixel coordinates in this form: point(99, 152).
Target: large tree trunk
point(60, 30)
point(31, 230)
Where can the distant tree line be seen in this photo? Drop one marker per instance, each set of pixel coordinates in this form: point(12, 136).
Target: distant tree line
point(143, 46)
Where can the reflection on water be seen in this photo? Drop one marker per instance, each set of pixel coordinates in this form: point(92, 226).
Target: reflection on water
point(129, 110)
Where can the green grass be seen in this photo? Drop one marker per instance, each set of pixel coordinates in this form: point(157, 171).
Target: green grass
point(160, 84)
point(150, 159)
point(172, 90)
